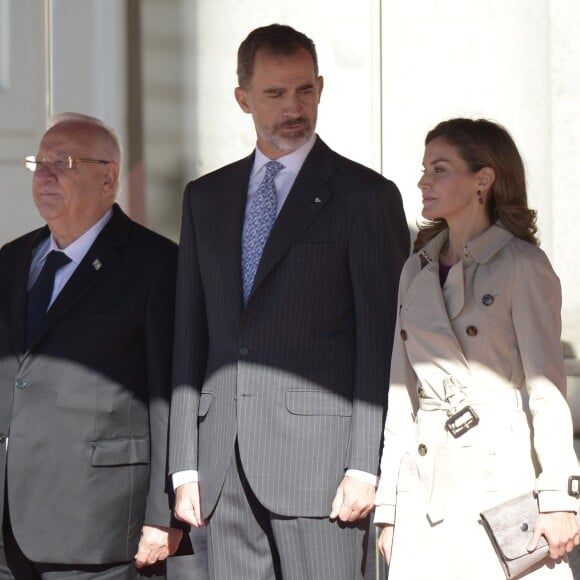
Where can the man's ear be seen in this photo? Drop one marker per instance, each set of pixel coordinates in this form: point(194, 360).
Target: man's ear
point(320, 83)
point(242, 97)
point(111, 179)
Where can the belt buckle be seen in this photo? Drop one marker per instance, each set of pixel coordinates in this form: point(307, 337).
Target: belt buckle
point(462, 421)
point(574, 486)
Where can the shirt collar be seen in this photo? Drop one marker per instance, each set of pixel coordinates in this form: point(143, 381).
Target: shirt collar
point(77, 250)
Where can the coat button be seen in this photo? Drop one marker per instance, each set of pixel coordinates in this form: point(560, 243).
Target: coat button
point(471, 330)
point(422, 449)
point(2, 437)
point(487, 300)
point(404, 334)
point(19, 384)
point(244, 351)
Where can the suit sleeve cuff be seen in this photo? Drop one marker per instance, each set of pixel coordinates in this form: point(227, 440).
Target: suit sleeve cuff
point(182, 477)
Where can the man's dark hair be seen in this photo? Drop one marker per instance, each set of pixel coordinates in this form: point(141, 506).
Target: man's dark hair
point(276, 39)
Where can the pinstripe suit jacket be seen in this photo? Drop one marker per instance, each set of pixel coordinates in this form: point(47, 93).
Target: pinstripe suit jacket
point(300, 374)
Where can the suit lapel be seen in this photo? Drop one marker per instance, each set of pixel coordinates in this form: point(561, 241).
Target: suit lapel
point(307, 197)
point(224, 226)
point(20, 289)
point(102, 255)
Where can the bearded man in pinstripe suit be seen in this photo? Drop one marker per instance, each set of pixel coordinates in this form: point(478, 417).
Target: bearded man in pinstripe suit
point(280, 383)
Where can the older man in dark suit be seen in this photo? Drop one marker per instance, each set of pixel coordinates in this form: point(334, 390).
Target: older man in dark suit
point(86, 324)
point(287, 283)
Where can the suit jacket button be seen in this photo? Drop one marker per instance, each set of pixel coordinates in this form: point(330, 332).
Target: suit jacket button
point(244, 351)
point(488, 300)
point(422, 393)
point(471, 330)
point(19, 384)
point(2, 437)
point(404, 334)
point(422, 450)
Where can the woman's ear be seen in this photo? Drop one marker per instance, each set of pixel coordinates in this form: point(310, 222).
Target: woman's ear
point(486, 177)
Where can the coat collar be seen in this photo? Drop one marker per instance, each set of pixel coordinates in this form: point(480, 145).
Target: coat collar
point(481, 249)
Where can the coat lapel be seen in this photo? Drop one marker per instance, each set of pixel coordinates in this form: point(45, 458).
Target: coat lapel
point(20, 289)
point(307, 197)
point(224, 225)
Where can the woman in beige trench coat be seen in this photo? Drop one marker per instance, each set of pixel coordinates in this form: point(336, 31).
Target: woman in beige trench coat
point(478, 322)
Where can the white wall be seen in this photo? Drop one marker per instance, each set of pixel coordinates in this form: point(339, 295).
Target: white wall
point(22, 109)
point(88, 72)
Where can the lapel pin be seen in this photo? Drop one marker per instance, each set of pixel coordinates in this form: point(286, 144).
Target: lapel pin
point(97, 264)
point(317, 200)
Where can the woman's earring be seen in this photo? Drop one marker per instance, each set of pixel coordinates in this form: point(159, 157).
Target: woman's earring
point(479, 198)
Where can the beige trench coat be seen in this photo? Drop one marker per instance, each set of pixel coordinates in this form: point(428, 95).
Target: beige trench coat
point(492, 329)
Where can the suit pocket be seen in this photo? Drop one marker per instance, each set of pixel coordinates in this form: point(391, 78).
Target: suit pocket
point(317, 403)
point(115, 452)
point(205, 401)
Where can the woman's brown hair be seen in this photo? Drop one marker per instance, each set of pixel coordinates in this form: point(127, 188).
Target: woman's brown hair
point(481, 143)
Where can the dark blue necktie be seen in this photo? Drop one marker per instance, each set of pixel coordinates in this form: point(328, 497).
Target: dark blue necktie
point(261, 218)
point(40, 293)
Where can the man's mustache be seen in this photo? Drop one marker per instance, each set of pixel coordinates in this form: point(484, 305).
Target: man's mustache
point(293, 123)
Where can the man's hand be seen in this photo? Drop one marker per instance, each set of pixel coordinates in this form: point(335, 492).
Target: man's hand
point(188, 505)
point(354, 500)
point(156, 543)
point(561, 531)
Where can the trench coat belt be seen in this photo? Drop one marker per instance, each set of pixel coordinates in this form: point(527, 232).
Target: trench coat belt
point(501, 399)
point(504, 399)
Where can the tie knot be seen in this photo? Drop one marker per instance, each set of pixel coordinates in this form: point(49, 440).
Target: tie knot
point(55, 260)
point(272, 169)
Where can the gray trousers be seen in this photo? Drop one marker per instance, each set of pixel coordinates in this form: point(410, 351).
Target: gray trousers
point(248, 542)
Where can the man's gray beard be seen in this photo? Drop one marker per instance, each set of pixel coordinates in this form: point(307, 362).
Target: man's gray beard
point(286, 144)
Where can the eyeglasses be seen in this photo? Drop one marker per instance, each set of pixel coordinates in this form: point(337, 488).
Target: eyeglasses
point(32, 163)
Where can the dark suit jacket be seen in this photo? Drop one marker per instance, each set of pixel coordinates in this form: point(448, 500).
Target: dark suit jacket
point(300, 374)
point(86, 407)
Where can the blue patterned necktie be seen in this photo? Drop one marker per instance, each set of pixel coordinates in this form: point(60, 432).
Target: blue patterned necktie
point(261, 218)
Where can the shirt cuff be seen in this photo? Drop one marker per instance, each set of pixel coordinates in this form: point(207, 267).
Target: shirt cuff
point(182, 477)
point(363, 476)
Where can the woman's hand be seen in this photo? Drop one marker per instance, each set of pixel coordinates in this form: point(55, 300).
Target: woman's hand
point(385, 542)
point(561, 531)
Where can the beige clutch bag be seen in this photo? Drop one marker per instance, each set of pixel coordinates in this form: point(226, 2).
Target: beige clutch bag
point(510, 526)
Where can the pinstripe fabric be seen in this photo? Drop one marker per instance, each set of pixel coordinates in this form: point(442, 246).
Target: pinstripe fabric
point(318, 549)
point(281, 547)
point(299, 375)
point(240, 526)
